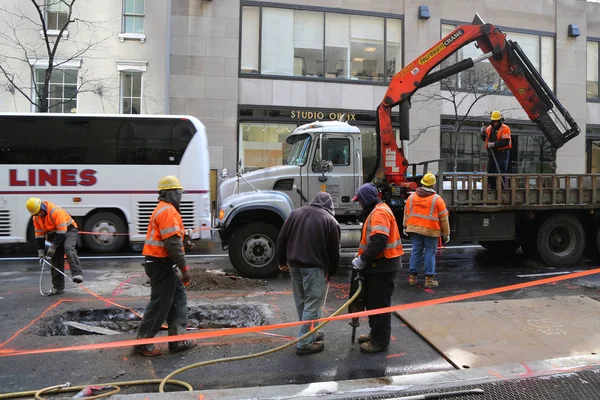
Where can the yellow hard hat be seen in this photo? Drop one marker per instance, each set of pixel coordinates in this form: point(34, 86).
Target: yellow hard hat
point(169, 182)
point(496, 116)
point(33, 205)
point(428, 179)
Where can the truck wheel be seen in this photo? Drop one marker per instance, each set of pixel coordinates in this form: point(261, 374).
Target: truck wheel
point(252, 250)
point(500, 246)
point(561, 240)
point(105, 225)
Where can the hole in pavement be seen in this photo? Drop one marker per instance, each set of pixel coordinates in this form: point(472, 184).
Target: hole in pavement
point(115, 320)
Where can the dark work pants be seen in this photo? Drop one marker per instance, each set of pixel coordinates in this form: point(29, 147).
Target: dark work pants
point(67, 247)
point(379, 288)
point(167, 301)
point(502, 160)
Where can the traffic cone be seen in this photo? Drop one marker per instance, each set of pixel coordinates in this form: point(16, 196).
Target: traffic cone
point(66, 265)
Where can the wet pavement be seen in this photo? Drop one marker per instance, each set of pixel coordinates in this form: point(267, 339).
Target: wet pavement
point(25, 314)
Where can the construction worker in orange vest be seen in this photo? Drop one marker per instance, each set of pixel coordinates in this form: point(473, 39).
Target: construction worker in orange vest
point(498, 143)
point(164, 250)
point(378, 259)
point(52, 222)
point(425, 219)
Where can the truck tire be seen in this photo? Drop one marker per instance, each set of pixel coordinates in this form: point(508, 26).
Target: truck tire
point(105, 224)
point(252, 250)
point(561, 240)
point(500, 246)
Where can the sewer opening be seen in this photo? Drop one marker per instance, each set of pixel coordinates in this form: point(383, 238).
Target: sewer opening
point(111, 321)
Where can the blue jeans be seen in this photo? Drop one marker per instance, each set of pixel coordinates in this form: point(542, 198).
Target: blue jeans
point(423, 246)
point(309, 294)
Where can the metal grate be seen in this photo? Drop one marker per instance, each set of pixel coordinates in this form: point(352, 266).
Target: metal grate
point(146, 208)
point(4, 223)
point(584, 385)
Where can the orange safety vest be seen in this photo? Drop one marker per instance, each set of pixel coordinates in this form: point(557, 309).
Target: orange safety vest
point(382, 220)
point(56, 220)
point(425, 211)
point(164, 223)
point(503, 133)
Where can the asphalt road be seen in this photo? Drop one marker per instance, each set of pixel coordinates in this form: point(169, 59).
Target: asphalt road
point(25, 313)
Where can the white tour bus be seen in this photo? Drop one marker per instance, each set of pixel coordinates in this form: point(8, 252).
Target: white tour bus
point(103, 170)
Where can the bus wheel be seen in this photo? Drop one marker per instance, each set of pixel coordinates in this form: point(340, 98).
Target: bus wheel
point(105, 225)
point(252, 250)
point(561, 240)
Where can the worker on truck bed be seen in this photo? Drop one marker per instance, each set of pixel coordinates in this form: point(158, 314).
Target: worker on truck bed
point(55, 224)
point(425, 219)
point(498, 143)
point(164, 249)
point(379, 258)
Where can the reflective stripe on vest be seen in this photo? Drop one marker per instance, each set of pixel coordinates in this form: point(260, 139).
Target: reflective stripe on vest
point(503, 133)
point(393, 247)
point(431, 220)
point(56, 221)
point(154, 246)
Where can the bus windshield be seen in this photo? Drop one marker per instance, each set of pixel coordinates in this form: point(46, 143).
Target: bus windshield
point(299, 150)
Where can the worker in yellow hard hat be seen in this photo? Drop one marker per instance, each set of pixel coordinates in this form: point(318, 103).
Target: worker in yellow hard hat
point(55, 224)
point(498, 143)
point(163, 252)
point(425, 219)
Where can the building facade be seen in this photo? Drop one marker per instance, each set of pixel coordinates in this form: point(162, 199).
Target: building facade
point(252, 71)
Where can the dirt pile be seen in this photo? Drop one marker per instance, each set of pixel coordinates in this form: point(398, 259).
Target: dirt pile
point(219, 280)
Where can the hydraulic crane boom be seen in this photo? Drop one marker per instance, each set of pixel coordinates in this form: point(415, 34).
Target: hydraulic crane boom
point(511, 63)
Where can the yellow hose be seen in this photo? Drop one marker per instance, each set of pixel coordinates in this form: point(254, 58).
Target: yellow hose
point(167, 380)
point(262, 353)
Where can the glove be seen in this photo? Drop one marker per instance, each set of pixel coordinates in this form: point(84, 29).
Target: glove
point(483, 129)
point(41, 253)
point(446, 239)
point(358, 264)
point(51, 251)
point(491, 145)
point(186, 276)
point(189, 232)
point(284, 268)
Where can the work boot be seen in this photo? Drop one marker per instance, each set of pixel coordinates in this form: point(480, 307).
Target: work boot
point(182, 346)
point(148, 351)
point(316, 347)
point(55, 291)
point(369, 347)
point(430, 282)
point(77, 278)
point(320, 336)
point(364, 338)
point(412, 280)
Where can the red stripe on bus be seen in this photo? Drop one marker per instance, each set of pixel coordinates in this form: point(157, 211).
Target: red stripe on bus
point(82, 192)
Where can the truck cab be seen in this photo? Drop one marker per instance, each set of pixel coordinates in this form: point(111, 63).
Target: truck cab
point(321, 157)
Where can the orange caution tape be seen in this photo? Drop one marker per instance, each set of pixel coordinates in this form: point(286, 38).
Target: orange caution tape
point(253, 329)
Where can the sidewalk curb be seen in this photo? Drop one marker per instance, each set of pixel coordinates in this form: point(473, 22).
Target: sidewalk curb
point(387, 385)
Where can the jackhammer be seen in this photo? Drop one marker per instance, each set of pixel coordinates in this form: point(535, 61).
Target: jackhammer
point(358, 305)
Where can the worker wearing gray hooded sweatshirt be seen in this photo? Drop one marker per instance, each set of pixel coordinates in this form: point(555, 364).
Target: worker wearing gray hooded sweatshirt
point(309, 247)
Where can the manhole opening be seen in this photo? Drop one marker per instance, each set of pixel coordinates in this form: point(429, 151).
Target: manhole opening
point(108, 321)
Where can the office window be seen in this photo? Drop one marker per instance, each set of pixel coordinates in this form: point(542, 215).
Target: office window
point(57, 12)
point(250, 26)
point(483, 76)
point(62, 90)
point(133, 16)
point(131, 92)
point(592, 70)
point(315, 44)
